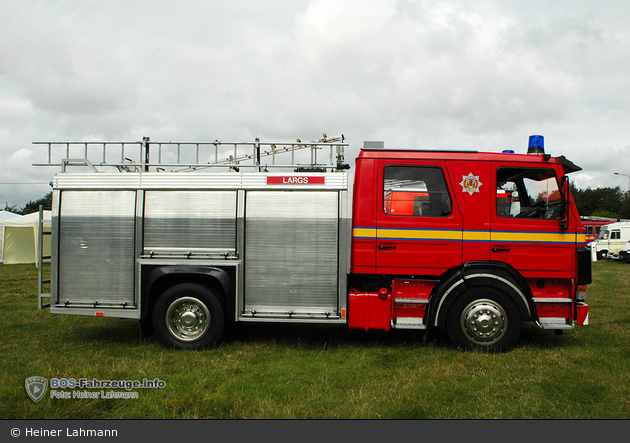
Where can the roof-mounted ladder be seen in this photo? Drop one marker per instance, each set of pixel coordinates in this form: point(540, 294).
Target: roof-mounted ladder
point(190, 155)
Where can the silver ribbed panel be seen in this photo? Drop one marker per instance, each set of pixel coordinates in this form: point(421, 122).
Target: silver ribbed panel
point(96, 181)
point(291, 261)
point(257, 180)
point(190, 180)
point(96, 247)
point(187, 221)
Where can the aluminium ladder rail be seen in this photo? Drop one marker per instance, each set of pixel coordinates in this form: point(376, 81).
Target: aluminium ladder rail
point(201, 150)
point(40, 263)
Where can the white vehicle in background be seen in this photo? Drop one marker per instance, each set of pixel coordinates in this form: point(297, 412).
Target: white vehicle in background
point(610, 240)
point(624, 253)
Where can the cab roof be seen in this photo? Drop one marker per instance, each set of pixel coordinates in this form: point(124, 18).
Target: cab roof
point(425, 154)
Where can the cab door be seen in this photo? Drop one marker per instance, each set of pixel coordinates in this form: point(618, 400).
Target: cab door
point(527, 234)
point(419, 228)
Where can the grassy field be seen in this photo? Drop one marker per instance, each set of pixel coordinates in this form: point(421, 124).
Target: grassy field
point(283, 371)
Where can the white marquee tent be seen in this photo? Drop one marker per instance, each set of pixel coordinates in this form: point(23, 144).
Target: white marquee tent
point(21, 238)
point(4, 215)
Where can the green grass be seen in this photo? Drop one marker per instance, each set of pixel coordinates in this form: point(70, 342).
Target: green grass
point(282, 371)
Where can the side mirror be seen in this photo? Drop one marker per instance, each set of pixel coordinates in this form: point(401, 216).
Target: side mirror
point(566, 198)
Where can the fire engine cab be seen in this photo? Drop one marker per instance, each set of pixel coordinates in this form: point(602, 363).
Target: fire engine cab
point(473, 243)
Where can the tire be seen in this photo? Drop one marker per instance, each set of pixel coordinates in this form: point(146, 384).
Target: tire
point(485, 319)
point(602, 255)
point(188, 316)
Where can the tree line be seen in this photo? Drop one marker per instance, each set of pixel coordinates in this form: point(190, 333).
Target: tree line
point(31, 206)
point(598, 202)
point(602, 202)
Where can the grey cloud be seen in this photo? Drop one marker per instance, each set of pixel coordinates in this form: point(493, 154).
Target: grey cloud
point(455, 75)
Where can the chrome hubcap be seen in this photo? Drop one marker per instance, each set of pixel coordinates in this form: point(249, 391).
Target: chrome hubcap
point(484, 322)
point(187, 319)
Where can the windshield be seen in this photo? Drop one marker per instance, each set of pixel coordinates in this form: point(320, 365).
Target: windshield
point(528, 192)
point(603, 234)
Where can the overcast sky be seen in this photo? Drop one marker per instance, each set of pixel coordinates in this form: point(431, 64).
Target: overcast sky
point(482, 75)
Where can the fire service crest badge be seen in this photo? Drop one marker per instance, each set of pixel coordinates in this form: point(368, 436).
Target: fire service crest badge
point(470, 183)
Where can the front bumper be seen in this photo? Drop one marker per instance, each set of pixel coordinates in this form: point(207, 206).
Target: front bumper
point(581, 313)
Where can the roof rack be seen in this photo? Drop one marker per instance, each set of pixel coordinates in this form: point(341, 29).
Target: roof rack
point(185, 156)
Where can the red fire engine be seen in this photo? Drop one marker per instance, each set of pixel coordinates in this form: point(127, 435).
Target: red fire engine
point(473, 243)
point(471, 261)
point(593, 226)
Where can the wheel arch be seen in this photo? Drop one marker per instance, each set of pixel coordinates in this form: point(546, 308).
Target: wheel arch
point(162, 278)
point(495, 274)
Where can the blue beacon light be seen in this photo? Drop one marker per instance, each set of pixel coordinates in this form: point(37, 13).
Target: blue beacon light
point(536, 145)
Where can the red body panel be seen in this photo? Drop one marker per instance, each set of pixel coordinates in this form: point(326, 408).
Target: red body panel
point(364, 243)
point(407, 245)
point(474, 206)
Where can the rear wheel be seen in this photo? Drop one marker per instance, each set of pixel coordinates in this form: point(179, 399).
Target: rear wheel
point(188, 316)
point(485, 319)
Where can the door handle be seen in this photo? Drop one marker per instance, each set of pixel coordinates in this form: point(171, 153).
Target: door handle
point(500, 249)
point(386, 247)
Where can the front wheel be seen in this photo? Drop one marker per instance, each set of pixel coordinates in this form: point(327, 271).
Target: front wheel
point(484, 319)
point(188, 316)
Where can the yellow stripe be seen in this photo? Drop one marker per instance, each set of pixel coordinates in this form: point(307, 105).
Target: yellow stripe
point(364, 232)
point(498, 236)
point(476, 235)
point(533, 237)
point(617, 243)
point(417, 234)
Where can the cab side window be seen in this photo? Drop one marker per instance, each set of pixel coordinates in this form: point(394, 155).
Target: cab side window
point(416, 191)
point(528, 193)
